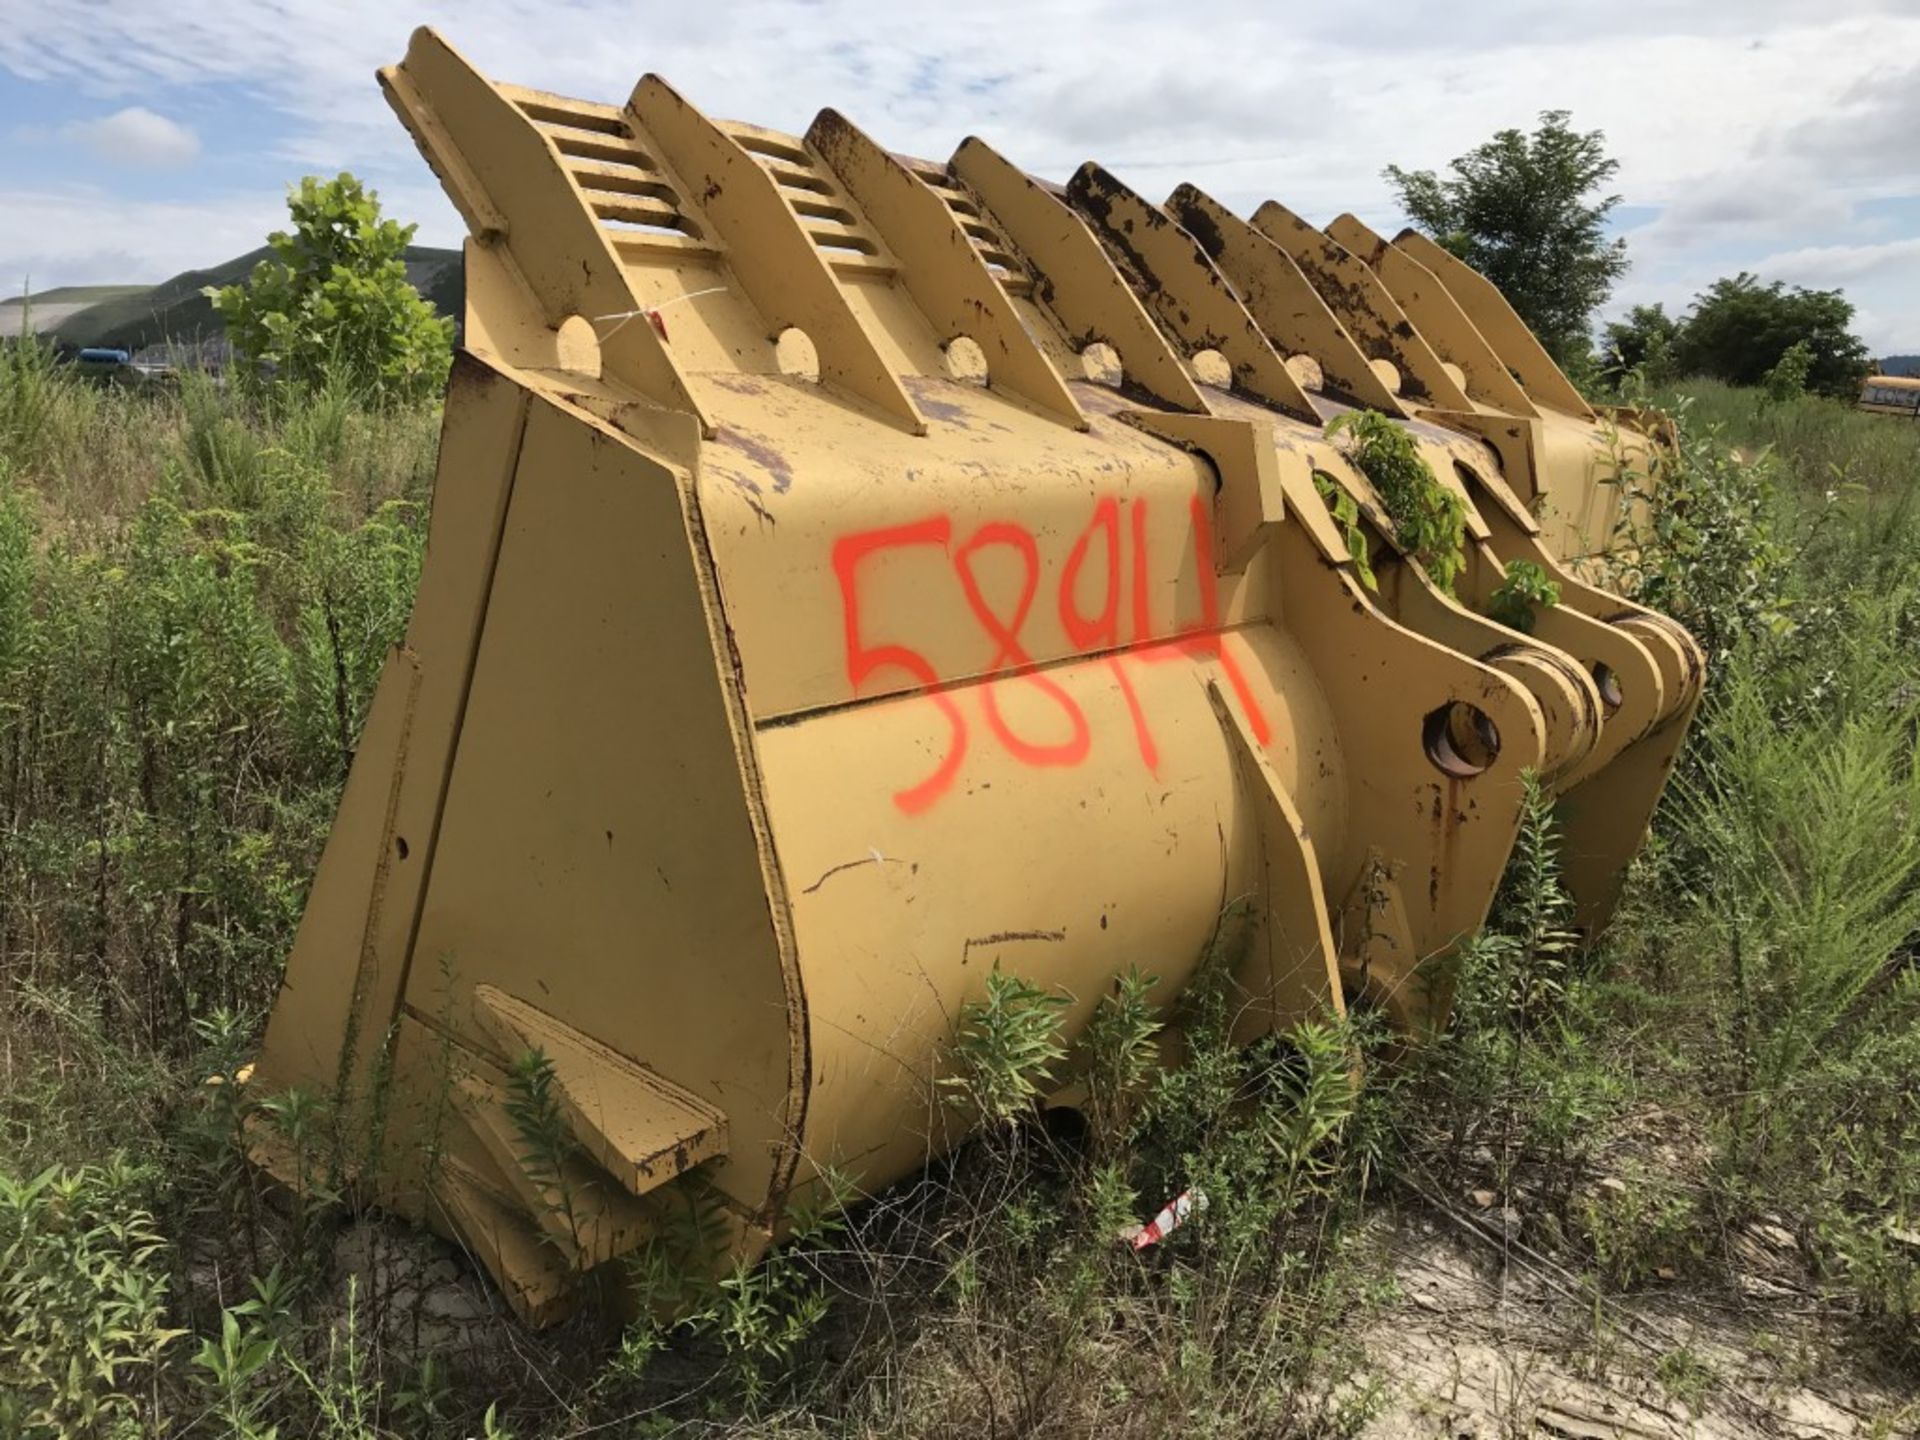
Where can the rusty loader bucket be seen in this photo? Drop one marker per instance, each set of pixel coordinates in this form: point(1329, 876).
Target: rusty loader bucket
point(848, 574)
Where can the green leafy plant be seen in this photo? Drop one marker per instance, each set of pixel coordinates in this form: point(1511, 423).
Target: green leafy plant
point(83, 1298)
point(1429, 520)
point(17, 575)
point(343, 1396)
point(333, 300)
point(1346, 514)
point(426, 1400)
point(1809, 839)
point(1122, 1056)
point(1533, 915)
point(1005, 1049)
point(303, 1124)
point(1640, 1228)
point(1514, 1076)
point(1521, 592)
point(45, 418)
point(761, 1315)
point(1788, 377)
point(236, 1364)
point(1699, 539)
point(1314, 1095)
point(1686, 1375)
point(1640, 345)
point(547, 1147)
point(672, 1275)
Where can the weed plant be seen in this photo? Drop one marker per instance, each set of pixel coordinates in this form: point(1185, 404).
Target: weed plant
point(197, 588)
point(1428, 519)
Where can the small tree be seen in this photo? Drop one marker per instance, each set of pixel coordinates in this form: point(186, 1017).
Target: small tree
point(1788, 377)
point(1518, 209)
point(1643, 341)
point(333, 301)
point(1740, 330)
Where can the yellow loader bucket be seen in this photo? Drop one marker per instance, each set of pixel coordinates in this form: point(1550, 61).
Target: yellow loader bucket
point(848, 574)
point(1476, 424)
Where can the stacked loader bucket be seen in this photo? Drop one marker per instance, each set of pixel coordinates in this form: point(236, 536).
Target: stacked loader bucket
point(849, 574)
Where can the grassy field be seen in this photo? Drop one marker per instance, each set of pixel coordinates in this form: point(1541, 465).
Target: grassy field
point(195, 596)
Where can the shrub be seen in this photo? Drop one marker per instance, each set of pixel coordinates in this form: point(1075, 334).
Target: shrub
point(333, 301)
point(1788, 377)
point(1006, 1049)
point(180, 701)
point(1346, 515)
point(1702, 541)
point(1122, 1058)
point(83, 1293)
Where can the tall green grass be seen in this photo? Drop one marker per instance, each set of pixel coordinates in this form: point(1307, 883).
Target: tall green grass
point(188, 640)
point(1821, 443)
point(1765, 976)
point(196, 591)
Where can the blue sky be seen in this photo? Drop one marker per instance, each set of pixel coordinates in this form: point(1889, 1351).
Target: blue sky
point(139, 138)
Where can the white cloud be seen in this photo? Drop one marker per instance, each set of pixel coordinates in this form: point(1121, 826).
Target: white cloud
point(1827, 266)
point(1250, 94)
point(136, 138)
point(55, 236)
point(1734, 119)
point(1870, 134)
point(1746, 206)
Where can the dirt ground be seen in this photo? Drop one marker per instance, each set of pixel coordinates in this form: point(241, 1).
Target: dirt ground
point(1477, 1338)
point(1485, 1340)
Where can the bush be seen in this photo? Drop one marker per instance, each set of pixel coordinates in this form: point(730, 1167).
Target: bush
point(333, 304)
point(83, 1294)
point(1741, 331)
point(181, 700)
point(1708, 551)
point(1517, 599)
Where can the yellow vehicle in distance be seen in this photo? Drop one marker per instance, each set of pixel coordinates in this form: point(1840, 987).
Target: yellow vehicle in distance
point(1891, 395)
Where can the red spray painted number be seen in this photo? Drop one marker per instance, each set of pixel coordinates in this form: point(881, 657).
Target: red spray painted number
point(863, 660)
point(1010, 655)
point(1002, 627)
point(1102, 631)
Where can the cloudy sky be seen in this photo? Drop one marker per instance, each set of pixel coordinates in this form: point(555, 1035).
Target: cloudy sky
point(139, 138)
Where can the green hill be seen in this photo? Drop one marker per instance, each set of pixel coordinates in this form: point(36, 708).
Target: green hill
point(45, 310)
point(132, 318)
point(74, 295)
